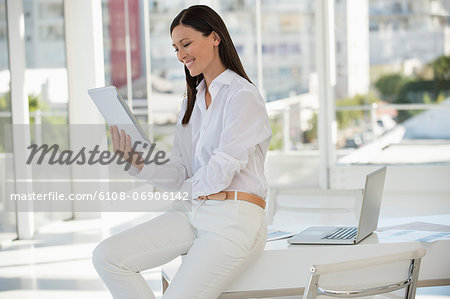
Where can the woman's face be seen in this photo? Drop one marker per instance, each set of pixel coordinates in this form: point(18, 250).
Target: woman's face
point(197, 52)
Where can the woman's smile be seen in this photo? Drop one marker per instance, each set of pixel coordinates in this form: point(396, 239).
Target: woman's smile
point(189, 63)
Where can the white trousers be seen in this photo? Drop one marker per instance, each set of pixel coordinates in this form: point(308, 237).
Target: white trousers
point(221, 238)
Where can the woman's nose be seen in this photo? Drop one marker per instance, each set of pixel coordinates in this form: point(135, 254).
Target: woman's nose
point(181, 55)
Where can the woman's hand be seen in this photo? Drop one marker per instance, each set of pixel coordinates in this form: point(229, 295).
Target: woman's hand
point(122, 147)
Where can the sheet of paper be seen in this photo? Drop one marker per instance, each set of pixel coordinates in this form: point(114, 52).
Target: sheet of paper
point(414, 235)
point(418, 225)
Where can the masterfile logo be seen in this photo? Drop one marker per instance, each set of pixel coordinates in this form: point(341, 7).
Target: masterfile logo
point(58, 167)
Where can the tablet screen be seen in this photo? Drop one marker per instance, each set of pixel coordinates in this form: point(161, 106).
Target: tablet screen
point(117, 113)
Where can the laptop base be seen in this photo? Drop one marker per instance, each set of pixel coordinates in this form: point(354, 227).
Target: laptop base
point(316, 234)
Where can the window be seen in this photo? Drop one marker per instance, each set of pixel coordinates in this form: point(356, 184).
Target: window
point(46, 86)
point(405, 91)
point(51, 10)
point(51, 33)
point(7, 219)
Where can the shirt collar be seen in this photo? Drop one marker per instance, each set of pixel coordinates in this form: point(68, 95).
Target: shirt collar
point(201, 85)
point(224, 78)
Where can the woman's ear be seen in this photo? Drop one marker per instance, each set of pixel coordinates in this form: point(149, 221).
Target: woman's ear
point(216, 38)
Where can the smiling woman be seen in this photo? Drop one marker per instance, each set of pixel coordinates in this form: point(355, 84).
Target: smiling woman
point(222, 162)
point(199, 53)
point(205, 47)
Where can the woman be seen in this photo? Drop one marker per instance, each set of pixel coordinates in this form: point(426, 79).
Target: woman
point(230, 138)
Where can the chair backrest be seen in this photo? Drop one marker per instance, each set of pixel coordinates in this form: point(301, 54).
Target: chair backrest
point(366, 277)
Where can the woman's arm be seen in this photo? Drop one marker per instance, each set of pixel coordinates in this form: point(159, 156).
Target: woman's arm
point(170, 175)
point(246, 125)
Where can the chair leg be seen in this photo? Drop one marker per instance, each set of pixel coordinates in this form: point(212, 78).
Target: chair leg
point(410, 292)
point(165, 283)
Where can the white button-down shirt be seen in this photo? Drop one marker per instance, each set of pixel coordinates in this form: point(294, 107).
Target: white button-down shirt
point(223, 147)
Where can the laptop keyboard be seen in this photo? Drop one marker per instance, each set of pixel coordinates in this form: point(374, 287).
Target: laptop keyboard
point(342, 233)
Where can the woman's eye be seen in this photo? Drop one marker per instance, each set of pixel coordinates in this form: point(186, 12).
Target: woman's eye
point(176, 50)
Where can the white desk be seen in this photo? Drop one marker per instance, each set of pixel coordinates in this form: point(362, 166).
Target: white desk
point(283, 269)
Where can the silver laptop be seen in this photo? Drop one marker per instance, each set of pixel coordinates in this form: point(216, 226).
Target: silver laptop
point(368, 218)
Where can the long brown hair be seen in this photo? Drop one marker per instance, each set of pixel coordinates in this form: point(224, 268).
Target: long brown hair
point(204, 19)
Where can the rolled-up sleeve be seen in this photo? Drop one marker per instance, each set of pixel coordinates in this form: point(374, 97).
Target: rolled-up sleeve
point(245, 127)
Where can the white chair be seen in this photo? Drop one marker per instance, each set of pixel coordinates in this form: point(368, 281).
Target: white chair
point(367, 277)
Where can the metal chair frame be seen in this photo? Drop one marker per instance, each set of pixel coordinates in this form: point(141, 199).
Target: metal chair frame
point(410, 283)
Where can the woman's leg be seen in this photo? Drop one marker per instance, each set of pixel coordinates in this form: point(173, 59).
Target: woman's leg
point(119, 259)
point(220, 252)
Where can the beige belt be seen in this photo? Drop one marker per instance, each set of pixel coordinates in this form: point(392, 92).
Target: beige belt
point(223, 195)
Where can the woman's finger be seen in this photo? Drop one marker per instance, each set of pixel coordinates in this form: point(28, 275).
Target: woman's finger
point(122, 144)
point(113, 138)
point(127, 146)
point(116, 139)
point(122, 140)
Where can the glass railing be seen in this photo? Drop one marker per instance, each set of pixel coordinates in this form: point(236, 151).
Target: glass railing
point(294, 127)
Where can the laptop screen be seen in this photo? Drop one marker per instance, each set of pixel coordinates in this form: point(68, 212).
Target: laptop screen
point(370, 208)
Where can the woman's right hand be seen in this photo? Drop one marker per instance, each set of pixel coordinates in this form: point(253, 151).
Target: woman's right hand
point(122, 147)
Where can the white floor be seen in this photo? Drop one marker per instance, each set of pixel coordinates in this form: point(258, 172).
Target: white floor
point(57, 263)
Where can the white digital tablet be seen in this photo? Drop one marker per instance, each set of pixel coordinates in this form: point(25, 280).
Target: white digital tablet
point(117, 113)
